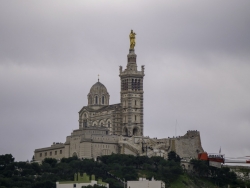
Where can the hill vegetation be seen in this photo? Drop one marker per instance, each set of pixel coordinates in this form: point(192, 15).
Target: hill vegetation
point(113, 169)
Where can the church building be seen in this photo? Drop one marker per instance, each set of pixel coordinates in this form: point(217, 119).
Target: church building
point(117, 128)
point(125, 118)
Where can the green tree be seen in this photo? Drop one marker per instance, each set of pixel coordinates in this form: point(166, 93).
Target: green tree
point(201, 167)
point(6, 159)
point(52, 162)
point(173, 156)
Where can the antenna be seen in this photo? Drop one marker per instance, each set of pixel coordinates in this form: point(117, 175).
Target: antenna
point(175, 127)
point(98, 77)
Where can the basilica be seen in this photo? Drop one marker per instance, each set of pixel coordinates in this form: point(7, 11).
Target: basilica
point(118, 128)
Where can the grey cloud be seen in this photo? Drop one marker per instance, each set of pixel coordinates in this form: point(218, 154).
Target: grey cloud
point(196, 57)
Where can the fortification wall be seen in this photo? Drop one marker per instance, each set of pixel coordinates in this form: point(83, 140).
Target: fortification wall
point(188, 145)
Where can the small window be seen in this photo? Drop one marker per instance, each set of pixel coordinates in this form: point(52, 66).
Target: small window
point(45, 154)
point(41, 154)
point(85, 123)
point(96, 100)
point(135, 117)
point(102, 99)
point(55, 152)
point(135, 102)
point(50, 153)
point(108, 124)
point(60, 151)
point(135, 84)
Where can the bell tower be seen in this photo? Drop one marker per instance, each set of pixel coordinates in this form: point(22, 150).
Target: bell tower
point(132, 94)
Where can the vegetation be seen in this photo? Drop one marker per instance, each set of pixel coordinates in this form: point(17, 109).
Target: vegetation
point(95, 186)
point(219, 176)
point(114, 169)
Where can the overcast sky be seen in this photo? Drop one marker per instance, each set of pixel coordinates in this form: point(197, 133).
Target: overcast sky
point(196, 56)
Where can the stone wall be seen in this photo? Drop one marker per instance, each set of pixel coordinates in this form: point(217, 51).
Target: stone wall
point(188, 145)
point(92, 142)
point(57, 151)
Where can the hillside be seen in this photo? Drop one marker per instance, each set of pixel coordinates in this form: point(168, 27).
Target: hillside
point(112, 169)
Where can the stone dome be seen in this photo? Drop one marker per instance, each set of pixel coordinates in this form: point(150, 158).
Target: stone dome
point(97, 88)
point(98, 95)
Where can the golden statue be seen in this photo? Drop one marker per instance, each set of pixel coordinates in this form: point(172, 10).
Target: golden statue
point(132, 39)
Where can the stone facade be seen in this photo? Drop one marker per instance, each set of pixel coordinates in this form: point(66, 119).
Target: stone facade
point(125, 118)
point(55, 151)
point(132, 97)
point(105, 129)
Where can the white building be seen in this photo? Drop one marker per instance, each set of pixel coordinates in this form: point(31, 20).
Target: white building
point(143, 182)
point(81, 180)
point(76, 184)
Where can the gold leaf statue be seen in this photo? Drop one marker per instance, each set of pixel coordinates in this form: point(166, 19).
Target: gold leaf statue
point(132, 39)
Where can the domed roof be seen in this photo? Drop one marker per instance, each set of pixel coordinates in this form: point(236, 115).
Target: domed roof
point(98, 95)
point(98, 88)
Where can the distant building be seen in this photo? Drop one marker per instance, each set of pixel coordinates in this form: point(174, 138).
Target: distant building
point(143, 182)
point(118, 128)
point(80, 181)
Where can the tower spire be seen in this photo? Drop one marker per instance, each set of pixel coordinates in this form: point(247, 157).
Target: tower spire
point(131, 94)
point(98, 77)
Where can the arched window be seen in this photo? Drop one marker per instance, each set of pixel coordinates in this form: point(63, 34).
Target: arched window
point(135, 102)
point(126, 84)
point(96, 100)
point(102, 99)
point(125, 132)
point(135, 117)
point(85, 123)
point(135, 131)
point(108, 124)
